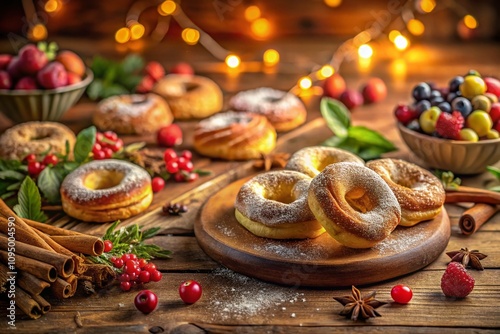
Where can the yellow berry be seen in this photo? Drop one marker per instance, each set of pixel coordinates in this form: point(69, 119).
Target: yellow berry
point(468, 135)
point(472, 86)
point(493, 134)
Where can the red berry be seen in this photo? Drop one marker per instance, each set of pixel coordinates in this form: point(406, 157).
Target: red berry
point(188, 155)
point(50, 159)
point(169, 155)
point(351, 98)
point(374, 90)
point(157, 183)
point(125, 257)
point(185, 165)
point(34, 168)
point(99, 155)
point(155, 276)
point(96, 148)
point(30, 157)
point(492, 85)
point(144, 276)
point(179, 177)
point(118, 263)
point(495, 112)
point(31, 59)
point(125, 286)
point(182, 68)
point(133, 257)
point(125, 277)
point(146, 301)
point(333, 86)
point(133, 276)
point(401, 294)
point(155, 70)
point(5, 80)
point(190, 291)
point(449, 125)
point(142, 263)
point(117, 145)
point(404, 114)
point(129, 269)
point(456, 282)
point(191, 177)
point(146, 85)
point(172, 167)
point(170, 135)
point(110, 135)
point(108, 246)
point(150, 267)
point(99, 136)
point(108, 153)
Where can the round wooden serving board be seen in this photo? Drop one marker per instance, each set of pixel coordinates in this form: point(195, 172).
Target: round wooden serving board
point(319, 262)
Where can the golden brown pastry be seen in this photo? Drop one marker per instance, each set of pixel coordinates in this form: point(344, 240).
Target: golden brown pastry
point(420, 194)
point(234, 136)
point(106, 190)
point(190, 96)
point(132, 114)
point(284, 110)
point(274, 205)
point(312, 160)
point(354, 204)
point(37, 138)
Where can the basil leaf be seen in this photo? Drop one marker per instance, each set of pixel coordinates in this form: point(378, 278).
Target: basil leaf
point(494, 171)
point(49, 183)
point(336, 116)
point(84, 143)
point(30, 202)
point(370, 137)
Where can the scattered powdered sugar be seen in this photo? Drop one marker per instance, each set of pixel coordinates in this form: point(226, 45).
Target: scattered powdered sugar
point(227, 231)
point(132, 105)
point(74, 188)
point(402, 239)
point(299, 250)
point(238, 297)
point(264, 100)
point(224, 120)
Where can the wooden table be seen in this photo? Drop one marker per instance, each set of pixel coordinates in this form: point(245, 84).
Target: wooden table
point(234, 303)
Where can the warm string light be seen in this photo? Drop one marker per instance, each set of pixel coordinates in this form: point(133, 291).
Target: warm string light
point(136, 30)
point(38, 32)
point(232, 61)
point(333, 3)
point(167, 8)
point(122, 35)
point(470, 21)
point(252, 13)
point(305, 83)
point(415, 27)
point(51, 6)
point(261, 28)
point(190, 36)
point(401, 42)
point(365, 51)
point(271, 57)
point(324, 72)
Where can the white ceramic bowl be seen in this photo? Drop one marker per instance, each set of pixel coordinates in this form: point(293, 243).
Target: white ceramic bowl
point(41, 104)
point(460, 157)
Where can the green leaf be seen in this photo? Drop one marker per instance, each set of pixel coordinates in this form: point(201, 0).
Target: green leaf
point(371, 152)
point(99, 66)
point(201, 172)
point(149, 233)
point(495, 171)
point(113, 89)
point(11, 175)
point(364, 135)
point(336, 116)
point(94, 89)
point(7, 165)
point(496, 189)
point(134, 147)
point(7, 195)
point(49, 183)
point(30, 202)
point(84, 143)
point(132, 63)
point(14, 186)
point(130, 82)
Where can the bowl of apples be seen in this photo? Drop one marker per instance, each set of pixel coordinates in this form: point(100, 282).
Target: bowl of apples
point(37, 85)
point(454, 128)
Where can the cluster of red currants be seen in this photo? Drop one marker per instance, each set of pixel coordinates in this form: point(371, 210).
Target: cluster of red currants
point(179, 166)
point(35, 167)
point(106, 143)
point(135, 271)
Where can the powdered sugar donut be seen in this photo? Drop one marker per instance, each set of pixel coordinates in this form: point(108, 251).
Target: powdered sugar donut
point(106, 190)
point(274, 205)
point(284, 110)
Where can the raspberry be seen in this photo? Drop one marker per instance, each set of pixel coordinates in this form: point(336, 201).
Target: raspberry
point(405, 114)
point(456, 282)
point(154, 70)
point(449, 125)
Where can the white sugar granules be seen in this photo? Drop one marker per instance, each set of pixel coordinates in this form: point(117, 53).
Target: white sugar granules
point(224, 120)
point(245, 297)
point(133, 106)
point(264, 100)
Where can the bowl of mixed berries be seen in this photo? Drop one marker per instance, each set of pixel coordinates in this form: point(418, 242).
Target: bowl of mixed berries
point(455, 127)
point(41, 83)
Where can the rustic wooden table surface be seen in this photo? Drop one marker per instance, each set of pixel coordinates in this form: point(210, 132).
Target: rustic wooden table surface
point(234, 303)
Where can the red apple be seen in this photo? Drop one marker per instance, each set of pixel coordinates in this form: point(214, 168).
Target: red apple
point(73, 78)
point(495, 112)
point(13, 68)
point(351, 98)
point(31, 59)
point(26, 83)
point(492, 85)
point(334, 86)
point(374, 90)
point(5, 80)
point(182, 68)
point(4, 61)
point(52, 76)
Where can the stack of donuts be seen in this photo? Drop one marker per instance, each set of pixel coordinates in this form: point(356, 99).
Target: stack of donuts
point(328, 189)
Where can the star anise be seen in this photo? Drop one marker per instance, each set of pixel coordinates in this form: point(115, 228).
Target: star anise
point(360, 306)
point(175, 209)
point(468, 257)
point(268, 161)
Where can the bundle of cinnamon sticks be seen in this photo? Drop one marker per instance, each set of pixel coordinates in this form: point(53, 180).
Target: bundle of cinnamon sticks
point(486, 204)
point(40, 256)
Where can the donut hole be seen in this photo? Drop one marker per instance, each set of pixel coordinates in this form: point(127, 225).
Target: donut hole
point(359, 200)
point(190, 86)
point(321, 164)
point(273, 99)
point(283, 194)
point(103, 179)
point(41, 135)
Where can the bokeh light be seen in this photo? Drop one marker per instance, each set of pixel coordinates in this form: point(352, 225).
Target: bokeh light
point(38, 32)
point(470, 21)
point(401, 42)
point(122, 35)
point(232, 61)
point(261, 28)
point(415, 27)
point(167, 8)
point(252, 13)
point(365, 51)
point(271, 57)
point(190, 36)
point(305, 83)
point(136, 31)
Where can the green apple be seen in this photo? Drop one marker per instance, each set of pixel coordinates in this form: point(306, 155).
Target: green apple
point(480, 121)
point(428, 119)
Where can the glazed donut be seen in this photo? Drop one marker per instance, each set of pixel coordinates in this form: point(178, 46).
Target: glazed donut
point(190, 97)
point(106, 190)
point(420, 194)
point(284, 110)
point(37, 138)
point(274, 205)
point(234, 136)
point(312, 160)
point(132, 114)
point(354, 204)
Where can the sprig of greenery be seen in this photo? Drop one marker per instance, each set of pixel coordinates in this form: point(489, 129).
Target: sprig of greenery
point(360, 140)
point(448, 179)
point(131, 239)
point(496, 173)
point(30, 202)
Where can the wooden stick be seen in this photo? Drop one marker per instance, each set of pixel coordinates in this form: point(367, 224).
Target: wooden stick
point(31, 284)
point(85, 244)
point(472, 195)
point(63, 264)
point(22, 235)
point(44, 305)
point(27, 304)
point(42, 270)
point(60, 288)
point(473, 218)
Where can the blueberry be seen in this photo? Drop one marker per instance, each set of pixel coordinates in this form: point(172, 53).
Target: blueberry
point(422, 106)
point(463, 105)
point(455, 83)
point(453, 95)
point(435, 93)
point(422, 91)
point(414, 125)
point(436, 100)
point(445, 107)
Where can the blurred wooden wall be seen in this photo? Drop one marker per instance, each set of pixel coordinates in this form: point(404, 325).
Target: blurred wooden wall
point(225, 18)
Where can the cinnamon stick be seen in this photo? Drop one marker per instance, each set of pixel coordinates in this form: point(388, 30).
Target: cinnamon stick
point(31, 284)
point(23, 235)
point(26, 304)
point(42, 270)
point(73, 282)
point(473, 218)
point(50, 229)
point(472, 195)
point(63, 264)
point(3, 277)
point(60, 288)
point(85, 244)
point(44, 305)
